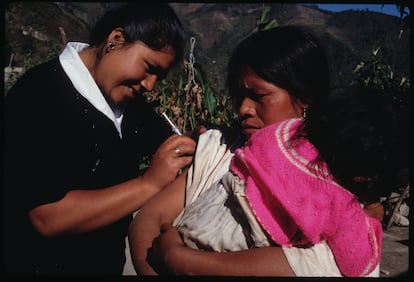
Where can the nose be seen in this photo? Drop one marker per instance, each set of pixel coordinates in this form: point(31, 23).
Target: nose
point(148, 82)
point(246, 107)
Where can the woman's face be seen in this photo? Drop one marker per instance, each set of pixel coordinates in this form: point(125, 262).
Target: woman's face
point(264, 103)
point(131, 69)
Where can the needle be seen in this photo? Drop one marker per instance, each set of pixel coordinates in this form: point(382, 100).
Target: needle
point(173, 126)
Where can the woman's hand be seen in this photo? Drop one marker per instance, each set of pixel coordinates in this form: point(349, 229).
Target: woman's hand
point(165, 249)
point(174, 154)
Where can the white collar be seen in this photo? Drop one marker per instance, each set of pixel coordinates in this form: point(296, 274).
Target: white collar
point(84, 83)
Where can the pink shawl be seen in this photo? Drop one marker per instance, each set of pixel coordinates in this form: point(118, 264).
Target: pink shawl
point(298, 207)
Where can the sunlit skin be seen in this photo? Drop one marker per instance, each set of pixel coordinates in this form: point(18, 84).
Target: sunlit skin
point(121, 73)
point(264, 103)
point(128, 69)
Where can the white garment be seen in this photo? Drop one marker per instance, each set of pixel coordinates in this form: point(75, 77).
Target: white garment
point(316, 261)
point(211, 161)
point(217, 217)
point(84, 83)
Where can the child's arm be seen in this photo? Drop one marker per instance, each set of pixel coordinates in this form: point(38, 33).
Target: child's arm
point(162, 208)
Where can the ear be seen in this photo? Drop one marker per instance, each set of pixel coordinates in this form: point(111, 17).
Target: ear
point(302, 105)
point(301, 108)
point(116, 36)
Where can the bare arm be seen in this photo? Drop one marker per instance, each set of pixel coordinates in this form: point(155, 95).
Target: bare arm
point(180, 260)
point(375, 210)
point(84, 210)
point(163, 208)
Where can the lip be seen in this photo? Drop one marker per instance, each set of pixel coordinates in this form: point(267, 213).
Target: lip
point(248, 129)
point(134, 91)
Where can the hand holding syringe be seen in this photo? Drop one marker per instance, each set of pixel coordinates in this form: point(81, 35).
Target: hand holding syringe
point(173, 126)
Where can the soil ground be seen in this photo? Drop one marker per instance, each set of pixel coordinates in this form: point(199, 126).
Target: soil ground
point(395, 252)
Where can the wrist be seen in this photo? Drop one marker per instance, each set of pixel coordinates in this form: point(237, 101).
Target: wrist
point(176, 260)
point(150, 184)
point(143, 268)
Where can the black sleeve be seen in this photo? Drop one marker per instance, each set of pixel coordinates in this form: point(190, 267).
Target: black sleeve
point(28, 128)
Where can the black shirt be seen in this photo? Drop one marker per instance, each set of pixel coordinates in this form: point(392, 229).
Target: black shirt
point(56, 141)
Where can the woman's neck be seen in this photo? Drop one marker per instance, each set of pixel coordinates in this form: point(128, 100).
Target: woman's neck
point(89, 58)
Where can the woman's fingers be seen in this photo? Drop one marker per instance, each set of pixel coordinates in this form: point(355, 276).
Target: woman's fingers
point(173, 155)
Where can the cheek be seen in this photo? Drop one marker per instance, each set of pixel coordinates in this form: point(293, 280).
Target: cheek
point(110, 77)
point(275, 112)
point(115, 68)
point(265, 115)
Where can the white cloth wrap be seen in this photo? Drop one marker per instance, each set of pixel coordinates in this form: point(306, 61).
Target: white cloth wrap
point(217, 216)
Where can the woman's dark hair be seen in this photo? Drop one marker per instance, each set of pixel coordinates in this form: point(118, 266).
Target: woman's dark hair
point(155, 24)
point(355, 133)
point(287, 56)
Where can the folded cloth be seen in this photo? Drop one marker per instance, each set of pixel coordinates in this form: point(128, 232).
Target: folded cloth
point(216, 221)
point(211, 161)
point(299, 204)
point(213, 219)
point(316, 261)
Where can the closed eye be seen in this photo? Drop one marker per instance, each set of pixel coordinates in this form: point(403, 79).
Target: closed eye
point(255, 96)
point(159, 72)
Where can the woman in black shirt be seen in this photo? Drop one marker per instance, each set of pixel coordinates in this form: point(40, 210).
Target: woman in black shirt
point(76, 129)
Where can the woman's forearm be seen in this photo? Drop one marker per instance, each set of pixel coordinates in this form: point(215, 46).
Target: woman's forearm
point(267, 261)
point(83, 210)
